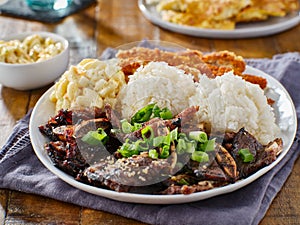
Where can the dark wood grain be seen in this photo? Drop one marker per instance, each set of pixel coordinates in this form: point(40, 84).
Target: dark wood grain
point(32, 209)
point(90, 32)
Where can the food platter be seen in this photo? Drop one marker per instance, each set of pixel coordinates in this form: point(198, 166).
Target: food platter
point(248, 30)
point(285, 117)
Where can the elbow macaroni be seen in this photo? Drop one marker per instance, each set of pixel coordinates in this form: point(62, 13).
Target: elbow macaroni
point(33, 48)
point(91, 83)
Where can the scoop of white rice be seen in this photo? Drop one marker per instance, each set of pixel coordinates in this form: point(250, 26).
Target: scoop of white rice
point(229, 103)
point(156, 83)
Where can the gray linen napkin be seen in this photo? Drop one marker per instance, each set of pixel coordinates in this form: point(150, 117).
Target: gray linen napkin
point(21, 170)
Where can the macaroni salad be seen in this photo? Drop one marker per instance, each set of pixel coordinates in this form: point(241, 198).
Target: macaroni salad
point(33, 48)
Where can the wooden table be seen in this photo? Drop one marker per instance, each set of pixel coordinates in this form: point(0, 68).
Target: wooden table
point(110, 24)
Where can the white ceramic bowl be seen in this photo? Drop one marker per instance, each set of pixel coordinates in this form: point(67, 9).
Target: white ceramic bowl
point(37, 74)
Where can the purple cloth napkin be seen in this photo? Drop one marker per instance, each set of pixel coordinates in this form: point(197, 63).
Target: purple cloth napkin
point(21, 170)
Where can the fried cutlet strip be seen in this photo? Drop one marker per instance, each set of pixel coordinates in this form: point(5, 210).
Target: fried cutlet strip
point(189, 60)
point(224, 61)
point(261, 81)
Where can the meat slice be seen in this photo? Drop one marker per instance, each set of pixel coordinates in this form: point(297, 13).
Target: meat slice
point(211, 171)
point(88, 125)
point(128, 174)
point(66, 157)
point(263, 155)
point(227, 162)
point(189, 189)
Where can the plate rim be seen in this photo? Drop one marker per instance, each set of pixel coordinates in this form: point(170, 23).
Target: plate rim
point(37, 145)
point(215, 33)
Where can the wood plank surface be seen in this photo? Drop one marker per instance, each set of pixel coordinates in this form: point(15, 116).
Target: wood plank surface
point(90, 32)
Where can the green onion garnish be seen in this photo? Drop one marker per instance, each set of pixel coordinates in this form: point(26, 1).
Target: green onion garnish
point(181, 146)
point(174, 134)
point(190, 147)
point(165, 114)
point(246, 155)
point(156, 111)
point(141, 145)
point(150, 111)
point(143, 114)
point(199, 156)
point(207, 146)
point(158, 141)
point(183, 182)
point(199, 136)
point(128, 150)
point(95, 137)
point(126, 126)
point(136, 126)
point(153, 154)
point(147, 133)
point(165, 152)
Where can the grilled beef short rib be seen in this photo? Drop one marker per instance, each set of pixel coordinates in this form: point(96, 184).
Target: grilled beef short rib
point(263, 155)
point(103, 167)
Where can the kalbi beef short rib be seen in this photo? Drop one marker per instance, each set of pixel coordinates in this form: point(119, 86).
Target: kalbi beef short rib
point(103, 167)
point(66, 157)
point(134, 174)
point(263, 155)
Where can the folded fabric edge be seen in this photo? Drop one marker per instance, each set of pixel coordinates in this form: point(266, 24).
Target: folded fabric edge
point(19, 136)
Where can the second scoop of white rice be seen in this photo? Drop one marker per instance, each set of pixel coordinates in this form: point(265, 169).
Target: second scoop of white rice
point(229, 103)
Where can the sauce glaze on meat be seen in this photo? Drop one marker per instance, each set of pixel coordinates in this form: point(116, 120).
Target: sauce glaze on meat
point(104, 167)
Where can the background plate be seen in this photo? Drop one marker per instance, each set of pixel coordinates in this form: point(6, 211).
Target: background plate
point(284, 110)
point(247, 30)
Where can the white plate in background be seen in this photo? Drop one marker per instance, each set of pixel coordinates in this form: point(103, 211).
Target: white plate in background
point(246, 30)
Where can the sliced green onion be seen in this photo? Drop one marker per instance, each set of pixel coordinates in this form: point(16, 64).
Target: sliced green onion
point(156, 110)
point(167, 139)
point(165, 152)
point(181, 146)
point(207, 146)
point(158, 141)
point(210, 145)
point(128, 150)
point(147, 133)
point(182, 136)
point(137, 126)
point(174, 134)
point(143, 114)
point(153, 154)
point(190, 146)
point(199, 156)
point(126, 126)
point(150, 111)
point(95, 137)
point(141, 145)
point(183, 182)
point(246, 155)
point(199, 136)
point(165, 114)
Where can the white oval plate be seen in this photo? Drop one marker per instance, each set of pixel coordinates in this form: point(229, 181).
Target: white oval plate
point(248, 30)
point(286, 119)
